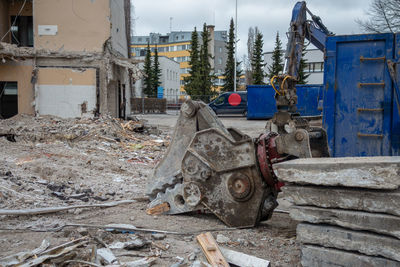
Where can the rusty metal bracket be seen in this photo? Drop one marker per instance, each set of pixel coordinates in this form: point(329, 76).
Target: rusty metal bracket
point(359, 85)
point(362, 58)
point(369, 135)
point(370, 109)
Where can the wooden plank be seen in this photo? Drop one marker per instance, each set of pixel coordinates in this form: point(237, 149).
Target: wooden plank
point(211, 250)
point(158, 209)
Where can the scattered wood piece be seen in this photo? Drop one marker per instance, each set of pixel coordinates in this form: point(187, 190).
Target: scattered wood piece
point(82, 262)
point(148, 261)
point(158, 209)
point(160, 246)
point(54, 253)
point(243, 260)
point(211, 250)
point(22, 256)
point(123, 227)
point(108, 139)
point(58, 209)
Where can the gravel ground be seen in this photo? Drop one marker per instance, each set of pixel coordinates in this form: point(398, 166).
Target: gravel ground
point(57, 162)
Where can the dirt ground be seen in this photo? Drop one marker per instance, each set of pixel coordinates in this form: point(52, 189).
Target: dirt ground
point(57, 162)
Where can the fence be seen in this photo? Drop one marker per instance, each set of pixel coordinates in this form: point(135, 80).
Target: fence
point(148, 105)
point(161, 105)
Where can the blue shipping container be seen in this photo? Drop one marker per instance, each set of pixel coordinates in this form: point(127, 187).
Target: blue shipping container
point(261, 102)
point(360, 111)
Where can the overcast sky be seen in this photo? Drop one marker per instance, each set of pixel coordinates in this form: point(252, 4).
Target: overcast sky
point(269, 16)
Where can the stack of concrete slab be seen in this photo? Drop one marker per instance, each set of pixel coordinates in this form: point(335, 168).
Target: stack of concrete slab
point(348, 208)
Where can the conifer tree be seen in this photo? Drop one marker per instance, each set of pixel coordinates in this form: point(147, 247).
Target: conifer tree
point(257, 61)
point(148, 73)
point(229, 73)
point(156, 73)
point(303, 65)
point(206, 76)
point(193, 82)
point(277, 61)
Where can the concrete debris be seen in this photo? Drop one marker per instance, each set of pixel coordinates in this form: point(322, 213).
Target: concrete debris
point(157, 236)
point(326, 257)
point(349, 224)
point(373, 222)
point(135, 243)
point(106, 256)
point(336, 237)
point(222, 239)
point(345, 198)
point(243, 260)
point(363, 172)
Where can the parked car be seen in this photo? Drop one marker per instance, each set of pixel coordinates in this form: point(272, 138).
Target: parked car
point(230, 103)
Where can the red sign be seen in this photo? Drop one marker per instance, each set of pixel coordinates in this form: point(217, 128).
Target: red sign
point(234, 99)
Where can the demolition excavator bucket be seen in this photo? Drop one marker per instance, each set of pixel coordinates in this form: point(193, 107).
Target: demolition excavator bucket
point(208, 166)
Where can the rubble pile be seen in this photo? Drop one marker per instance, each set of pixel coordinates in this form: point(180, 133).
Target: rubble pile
point(349, 209)
point(50, 128)
point(94, 247)
point(52, 161)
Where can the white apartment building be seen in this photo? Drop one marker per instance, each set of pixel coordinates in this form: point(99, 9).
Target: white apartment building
point(315, 65)
point(170, 72)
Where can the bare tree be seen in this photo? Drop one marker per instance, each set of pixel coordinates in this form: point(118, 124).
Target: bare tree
point(383, 16)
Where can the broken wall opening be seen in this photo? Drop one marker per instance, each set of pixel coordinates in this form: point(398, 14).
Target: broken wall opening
point(16, 22)
point(8, 99)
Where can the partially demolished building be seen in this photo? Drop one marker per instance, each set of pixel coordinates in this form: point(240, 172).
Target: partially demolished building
point(66, 58)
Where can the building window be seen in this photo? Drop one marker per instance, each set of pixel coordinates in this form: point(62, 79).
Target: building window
point(139, 39)
point(314, 67)
point(220, 60)
point(22, 31)
point(8, 99)
point(220, 49)
point(182, 37)
point(147, 40)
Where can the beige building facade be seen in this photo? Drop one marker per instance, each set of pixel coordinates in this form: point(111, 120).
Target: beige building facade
point(66, 58)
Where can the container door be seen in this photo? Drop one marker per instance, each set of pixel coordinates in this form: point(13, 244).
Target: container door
point(361, 98)
point(396, 102)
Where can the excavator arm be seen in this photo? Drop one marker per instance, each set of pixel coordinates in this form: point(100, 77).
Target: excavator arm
point(210, 167)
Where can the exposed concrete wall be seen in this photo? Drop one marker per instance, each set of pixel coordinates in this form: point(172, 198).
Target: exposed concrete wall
point(22, 74)
point(118, 30)
point(66, 92)
point(83, 25)
point(15, 6)
point(112, 98)
point(4, 20)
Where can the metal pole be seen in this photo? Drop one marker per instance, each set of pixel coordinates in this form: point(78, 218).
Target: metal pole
point(234, 75)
